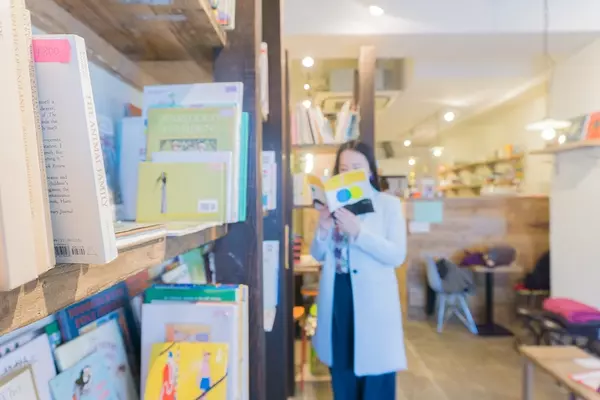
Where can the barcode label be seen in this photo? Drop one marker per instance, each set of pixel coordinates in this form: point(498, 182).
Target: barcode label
point(61, 251)
point(208, 206)
point(78, 251)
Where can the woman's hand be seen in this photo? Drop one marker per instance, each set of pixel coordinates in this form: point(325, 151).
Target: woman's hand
point(325, 221)
point(347, 222)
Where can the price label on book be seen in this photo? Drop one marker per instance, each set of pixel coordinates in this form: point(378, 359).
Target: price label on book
point(52, 51)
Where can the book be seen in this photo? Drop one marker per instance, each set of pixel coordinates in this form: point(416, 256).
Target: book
point(166, 192)
point(220, 322)
point(18, 385)
point(194, 260)
point(351, 190)
point(89, 379)
point(18, 247)
point(19, 341)
point(110, 155)
point(107, 341)
point(188, 371)
point(132, 151)
point(80, 202)
point(37, 355)
point(193, 293)
point(589, 379)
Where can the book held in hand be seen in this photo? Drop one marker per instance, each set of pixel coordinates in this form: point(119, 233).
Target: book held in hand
point(351, 190)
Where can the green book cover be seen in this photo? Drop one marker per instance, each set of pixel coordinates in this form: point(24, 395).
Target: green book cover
point(194, 259)
point(182, 192)
point(210, 128)
point(243, 166)
point(192, 293)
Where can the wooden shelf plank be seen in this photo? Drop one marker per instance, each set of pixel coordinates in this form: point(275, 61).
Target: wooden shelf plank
point(567, 147)
point(495, 161)
point(49, 17)
point(316, 148)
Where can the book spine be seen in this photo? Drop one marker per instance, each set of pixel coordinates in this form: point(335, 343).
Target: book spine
point(102, 190)
point(17, 251)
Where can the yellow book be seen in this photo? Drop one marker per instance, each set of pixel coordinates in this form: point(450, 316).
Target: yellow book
point(182, 192)
point(351, 190)
point(187, 371)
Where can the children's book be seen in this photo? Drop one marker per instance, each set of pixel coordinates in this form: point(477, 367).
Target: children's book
point(194, 293)
point(188, 371)
point(196, 264)
point(107, 341)
point(89, 379)
point(18, 385)
point(37, 355)
point(351, 190)
point(132, 151)
point(182, 192)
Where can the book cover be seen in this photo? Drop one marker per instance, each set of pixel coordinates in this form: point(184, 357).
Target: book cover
point(110, 155)
point(37, 355)
point(107, 341)
point(173, 192)
point(194, 259)
point(193, 293)
point(80, 203)
point(188, 371)
point(89, 379)
point(243, 178)
point(20, 341)
point(18, 255)
point(18, 385)
point(222, 322)
point(351, 190)
point(132, 151)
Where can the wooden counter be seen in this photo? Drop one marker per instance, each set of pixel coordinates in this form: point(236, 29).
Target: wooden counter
point(471, 223)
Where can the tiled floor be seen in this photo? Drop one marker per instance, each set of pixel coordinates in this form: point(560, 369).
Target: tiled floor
point(455, 366)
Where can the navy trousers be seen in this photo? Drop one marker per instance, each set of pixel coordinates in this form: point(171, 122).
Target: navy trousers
point(345, 384)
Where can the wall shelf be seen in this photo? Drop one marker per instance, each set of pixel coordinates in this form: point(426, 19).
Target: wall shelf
point(69, 283)
point(488, 163)
point(567, 147)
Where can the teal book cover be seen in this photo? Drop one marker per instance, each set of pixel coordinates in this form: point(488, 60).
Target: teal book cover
point(243, 166)
point(89, 379)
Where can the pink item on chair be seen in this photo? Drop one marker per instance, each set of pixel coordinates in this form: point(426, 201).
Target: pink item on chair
point(571, 310)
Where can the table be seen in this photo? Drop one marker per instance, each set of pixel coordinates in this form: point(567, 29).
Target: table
point(559, 362)
point(490, 328)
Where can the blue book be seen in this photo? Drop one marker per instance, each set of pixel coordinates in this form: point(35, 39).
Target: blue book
point(89, 379)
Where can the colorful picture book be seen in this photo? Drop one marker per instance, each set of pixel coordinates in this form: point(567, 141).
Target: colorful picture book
point(18, 385)
point(351, 190)
point(89, 379)
point(187, 371)
point(108, 342)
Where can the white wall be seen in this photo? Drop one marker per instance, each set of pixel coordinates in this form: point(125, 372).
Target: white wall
point(575, 192)
point(478, 139)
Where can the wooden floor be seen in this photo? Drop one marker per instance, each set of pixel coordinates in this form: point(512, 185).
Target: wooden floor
point(455, 365)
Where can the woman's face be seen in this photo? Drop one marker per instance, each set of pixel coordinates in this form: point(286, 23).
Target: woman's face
point(351, 160)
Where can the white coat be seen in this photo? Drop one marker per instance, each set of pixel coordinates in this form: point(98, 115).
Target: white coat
point(374, 255)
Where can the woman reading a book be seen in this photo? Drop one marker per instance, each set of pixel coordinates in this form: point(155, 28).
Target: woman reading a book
point(359, 323)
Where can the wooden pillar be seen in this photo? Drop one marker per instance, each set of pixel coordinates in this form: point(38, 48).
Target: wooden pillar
point(238, 256)
point(276, 138)
point(366, 94)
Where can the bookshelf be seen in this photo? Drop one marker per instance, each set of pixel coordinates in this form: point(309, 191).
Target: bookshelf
point(141, 43)
point(567, 147)
point(489, 163)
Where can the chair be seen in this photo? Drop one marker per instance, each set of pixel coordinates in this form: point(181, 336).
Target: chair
point(456, 303)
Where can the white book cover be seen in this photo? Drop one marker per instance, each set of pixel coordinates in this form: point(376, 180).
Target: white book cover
point(38, 355)
point(80, 201)
point(196, 95)
point(269, 168)
point(106, 340)
point(264, 79)
point(19, 385)
point(132, 152)
point(18, 262)
point(218, 322)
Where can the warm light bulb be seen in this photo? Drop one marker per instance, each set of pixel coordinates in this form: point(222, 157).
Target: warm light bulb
point(308, 62)
point(449, 116)
point(407, 143)
point(307, 103)
point(309, 163)
point(376, 11)
point(562, 139)
point(411, 161)
point(437, 151)
point(548, 134)
point(306, 86)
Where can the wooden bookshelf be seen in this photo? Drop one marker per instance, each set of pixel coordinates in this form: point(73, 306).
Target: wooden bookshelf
point(316, 148)
point(143, 44)
point(567, 147)
point(69, 283)
point(488, 163)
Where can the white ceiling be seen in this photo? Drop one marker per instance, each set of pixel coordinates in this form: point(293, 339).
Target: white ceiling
point(465, 61)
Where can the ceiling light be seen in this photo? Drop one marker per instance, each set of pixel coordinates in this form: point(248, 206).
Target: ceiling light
point(437, 151)
point(376, 11)
point(562, 139)
point(407, 143)
point(307, 103)
point(548, 133)
point(412, 161)
point(306, 86)
point(308, 62)
point(548, 123)
point(449, 116)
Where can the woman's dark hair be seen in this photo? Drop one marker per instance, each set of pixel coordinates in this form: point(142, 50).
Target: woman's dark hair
point(366, 151)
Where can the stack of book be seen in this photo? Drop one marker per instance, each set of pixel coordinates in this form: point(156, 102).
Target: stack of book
point(195, 139)
point(55, 203)
point(311, 127)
